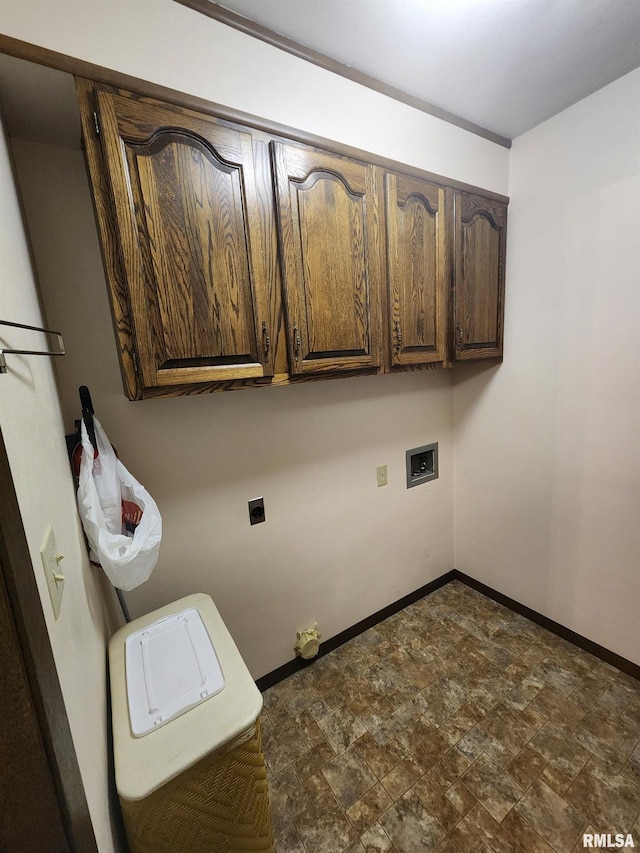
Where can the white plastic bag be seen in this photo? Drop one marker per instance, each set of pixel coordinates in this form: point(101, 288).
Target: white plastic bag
point(121, 519)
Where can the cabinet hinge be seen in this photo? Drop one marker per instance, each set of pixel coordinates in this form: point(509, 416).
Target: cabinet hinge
point(96, 123)
point(134, 358)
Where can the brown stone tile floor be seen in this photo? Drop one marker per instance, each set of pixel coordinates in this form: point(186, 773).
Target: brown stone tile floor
point(453, 726)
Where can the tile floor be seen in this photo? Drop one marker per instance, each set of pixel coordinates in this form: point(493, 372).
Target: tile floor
point(454, 725)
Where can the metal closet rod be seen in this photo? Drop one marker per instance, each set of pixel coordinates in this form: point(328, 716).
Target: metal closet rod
point(3, 351)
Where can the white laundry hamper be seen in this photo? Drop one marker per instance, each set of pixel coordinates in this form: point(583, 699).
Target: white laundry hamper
point(190, 771)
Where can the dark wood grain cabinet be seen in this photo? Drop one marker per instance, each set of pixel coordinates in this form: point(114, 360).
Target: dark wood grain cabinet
point(332, 267)
point(186, 210)
point(418, 262)
point(480, 246)
point(234, 258)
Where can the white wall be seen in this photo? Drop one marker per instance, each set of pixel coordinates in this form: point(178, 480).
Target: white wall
point(33, 432)
point(335, 548)
point(547, 447)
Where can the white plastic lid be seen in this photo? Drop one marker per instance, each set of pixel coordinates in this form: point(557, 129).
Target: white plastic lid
point(171, 666)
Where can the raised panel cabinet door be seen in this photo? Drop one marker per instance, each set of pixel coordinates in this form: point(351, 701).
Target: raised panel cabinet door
point(481, 229)
point(330, 244)
point(185, 201)
point(419, 276)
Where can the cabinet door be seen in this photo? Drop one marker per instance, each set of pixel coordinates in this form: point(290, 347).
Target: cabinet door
point(419, 276)
point(481, 226)
point(331, 258)
point(184, 196)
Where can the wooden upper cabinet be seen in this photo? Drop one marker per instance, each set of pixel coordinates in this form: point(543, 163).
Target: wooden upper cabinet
point(480, 245)
point(184, 196)
point(235, 258)
point(332, 262)
point(418, 270)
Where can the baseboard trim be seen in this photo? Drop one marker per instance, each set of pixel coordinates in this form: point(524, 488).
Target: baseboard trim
point(287, 669)
point(598, 651)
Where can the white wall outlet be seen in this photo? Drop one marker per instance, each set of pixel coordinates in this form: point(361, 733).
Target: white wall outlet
point(381, 472)
point(52, 562)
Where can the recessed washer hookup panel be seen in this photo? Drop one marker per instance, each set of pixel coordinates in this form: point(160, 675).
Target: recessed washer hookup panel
point(422, 464)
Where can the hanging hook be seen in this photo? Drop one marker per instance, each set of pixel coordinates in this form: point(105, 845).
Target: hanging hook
point(87, 415)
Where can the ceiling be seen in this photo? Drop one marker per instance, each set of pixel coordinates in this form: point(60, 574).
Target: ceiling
point(506, 65)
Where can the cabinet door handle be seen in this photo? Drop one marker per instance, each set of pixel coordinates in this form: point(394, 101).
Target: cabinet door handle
point(266, 340)
point(398, 336)
point(298, 343)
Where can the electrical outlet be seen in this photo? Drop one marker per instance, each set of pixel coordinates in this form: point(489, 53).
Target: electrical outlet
point(51, 560)
point(256, 511)
point(381, 472)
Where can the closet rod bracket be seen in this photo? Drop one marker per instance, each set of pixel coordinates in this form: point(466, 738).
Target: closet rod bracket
point(4, 351)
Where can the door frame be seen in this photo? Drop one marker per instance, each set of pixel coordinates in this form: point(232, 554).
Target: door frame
point(49, 711)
